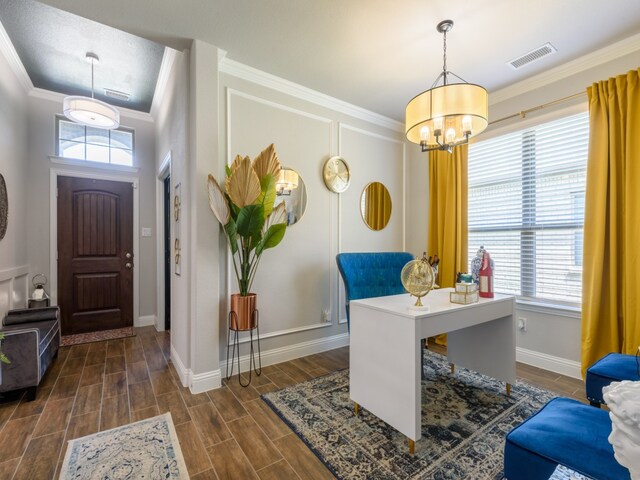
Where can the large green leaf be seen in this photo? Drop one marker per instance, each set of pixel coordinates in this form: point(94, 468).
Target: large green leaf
point(230, 230)
point(267, 195)
point(234, 210)
point(250, 220)
point(272, 237)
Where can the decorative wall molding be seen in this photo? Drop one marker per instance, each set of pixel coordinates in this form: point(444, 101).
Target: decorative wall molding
point(592, 59)
point(9, 51)
point(291, 352)
point(160, 91)
point(202, 382)
point(560, 365)
point(14, 288)
point(145, 321)
point(245, 72)
point(184, 373)
point(246, 338)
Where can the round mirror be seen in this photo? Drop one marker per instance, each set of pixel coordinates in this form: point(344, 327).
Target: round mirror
point(290, 189)
point(375, 206)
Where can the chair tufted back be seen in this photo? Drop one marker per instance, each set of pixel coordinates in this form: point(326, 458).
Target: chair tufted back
point(367, 275)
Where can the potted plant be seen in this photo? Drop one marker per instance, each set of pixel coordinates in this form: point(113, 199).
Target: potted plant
point(251, 224)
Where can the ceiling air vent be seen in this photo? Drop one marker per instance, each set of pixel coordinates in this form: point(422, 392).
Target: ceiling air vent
point(117, 95)
point(533, 56)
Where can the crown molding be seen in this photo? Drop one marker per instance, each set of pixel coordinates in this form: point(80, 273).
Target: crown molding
point(59, 97)
point(606, 54)
point(9, 52)
point(245, 72)
point(168, 59)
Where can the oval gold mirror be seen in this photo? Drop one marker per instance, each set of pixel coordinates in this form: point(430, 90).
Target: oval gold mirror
point(375, 206)
point(291, 190)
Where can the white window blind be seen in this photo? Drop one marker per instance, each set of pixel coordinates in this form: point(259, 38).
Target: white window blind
point(526, 206)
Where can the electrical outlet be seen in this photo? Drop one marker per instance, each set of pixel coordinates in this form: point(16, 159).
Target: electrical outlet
point(325, 315)
point(522, 324)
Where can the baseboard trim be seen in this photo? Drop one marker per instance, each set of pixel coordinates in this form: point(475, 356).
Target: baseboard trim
point(201, 382)
point(291, 352)
point(560, 365)
point(183, 372)
point(146, 321)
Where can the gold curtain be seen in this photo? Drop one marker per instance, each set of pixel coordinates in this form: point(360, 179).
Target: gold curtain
point(377, 206)
point(610, 283)
point(448, 208)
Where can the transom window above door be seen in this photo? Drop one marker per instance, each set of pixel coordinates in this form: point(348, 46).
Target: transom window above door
point(92, 144)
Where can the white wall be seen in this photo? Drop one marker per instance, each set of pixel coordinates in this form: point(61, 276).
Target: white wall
point(13, 166)
point(171, 136)
point(41, 114)
point(298, 279)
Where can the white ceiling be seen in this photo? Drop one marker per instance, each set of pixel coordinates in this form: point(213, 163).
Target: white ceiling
point(376, 54)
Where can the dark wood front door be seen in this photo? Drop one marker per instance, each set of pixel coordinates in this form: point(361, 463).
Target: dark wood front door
point(95, 254)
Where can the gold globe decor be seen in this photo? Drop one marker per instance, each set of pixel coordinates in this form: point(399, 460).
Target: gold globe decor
point(418, 278)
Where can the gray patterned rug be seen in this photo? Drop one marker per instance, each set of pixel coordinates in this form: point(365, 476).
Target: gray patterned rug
point(465, 417)
point(147, 449)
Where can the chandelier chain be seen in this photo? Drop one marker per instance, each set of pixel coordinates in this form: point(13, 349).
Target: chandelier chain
point(444, 57)
point(92, 63)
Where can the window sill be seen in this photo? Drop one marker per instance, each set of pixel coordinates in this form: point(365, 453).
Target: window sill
point(93, 165)
point(549, 308)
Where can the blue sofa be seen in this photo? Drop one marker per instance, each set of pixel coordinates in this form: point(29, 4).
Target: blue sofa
point(367, 275)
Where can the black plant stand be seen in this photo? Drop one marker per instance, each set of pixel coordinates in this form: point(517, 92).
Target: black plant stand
point(236, 348)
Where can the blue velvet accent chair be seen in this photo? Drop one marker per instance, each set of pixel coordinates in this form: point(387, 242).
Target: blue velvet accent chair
point(564, 432)
point(613, 367)
point(32, 339)
point(367, 275)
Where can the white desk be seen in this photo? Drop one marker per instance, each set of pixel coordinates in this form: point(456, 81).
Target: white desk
point(385, 349)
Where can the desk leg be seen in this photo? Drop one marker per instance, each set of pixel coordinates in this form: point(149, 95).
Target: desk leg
point(508, 389)
point(356, 408)
point(453, 367)
point(412, 447)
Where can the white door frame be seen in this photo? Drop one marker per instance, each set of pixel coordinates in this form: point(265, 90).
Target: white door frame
point(163, 172)
point(53, 227)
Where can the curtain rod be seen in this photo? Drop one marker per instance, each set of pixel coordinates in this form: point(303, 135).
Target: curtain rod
point(523, 113)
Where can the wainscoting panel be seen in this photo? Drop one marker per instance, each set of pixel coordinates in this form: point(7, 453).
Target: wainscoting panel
point(14, 289)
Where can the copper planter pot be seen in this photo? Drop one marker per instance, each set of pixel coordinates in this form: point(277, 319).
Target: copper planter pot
point(243, 312)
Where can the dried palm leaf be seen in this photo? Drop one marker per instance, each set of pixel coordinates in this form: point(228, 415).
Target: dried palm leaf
point(278, 215)
point(217, 202)
point(236, 163)
point(243, 186)
point(267, 163)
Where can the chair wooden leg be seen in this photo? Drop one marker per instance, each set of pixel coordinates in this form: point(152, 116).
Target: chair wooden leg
point(453, 367)
point(356, 408)
point(508, 389)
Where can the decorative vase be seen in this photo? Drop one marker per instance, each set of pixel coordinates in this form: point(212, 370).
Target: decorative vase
point(243, 312)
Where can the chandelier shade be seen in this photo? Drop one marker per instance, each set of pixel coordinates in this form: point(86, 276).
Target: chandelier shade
point(446, 115)
point(90, 111)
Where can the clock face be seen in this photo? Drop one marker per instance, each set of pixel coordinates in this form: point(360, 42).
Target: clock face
point(336, 174)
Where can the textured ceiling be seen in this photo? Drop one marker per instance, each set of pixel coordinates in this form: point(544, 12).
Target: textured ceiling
point(376, 53)
point(52, 45)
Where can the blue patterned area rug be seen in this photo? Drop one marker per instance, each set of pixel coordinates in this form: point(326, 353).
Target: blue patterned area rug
point(465, 418)
point(147, 449)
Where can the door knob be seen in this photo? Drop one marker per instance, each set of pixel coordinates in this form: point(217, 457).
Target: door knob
point(128, 265)
point(128, 255)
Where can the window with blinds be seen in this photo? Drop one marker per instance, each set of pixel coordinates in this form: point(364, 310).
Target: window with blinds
point(526, 206)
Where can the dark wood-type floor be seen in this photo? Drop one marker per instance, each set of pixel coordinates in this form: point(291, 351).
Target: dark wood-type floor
point(229, 433)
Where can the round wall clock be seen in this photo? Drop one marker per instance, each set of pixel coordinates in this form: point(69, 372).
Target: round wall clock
point(336, 174)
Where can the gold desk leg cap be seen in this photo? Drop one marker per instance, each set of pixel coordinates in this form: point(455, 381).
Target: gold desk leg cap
point(453, 367)
point(412, 447)
point(356, 408)
point(508, 389)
